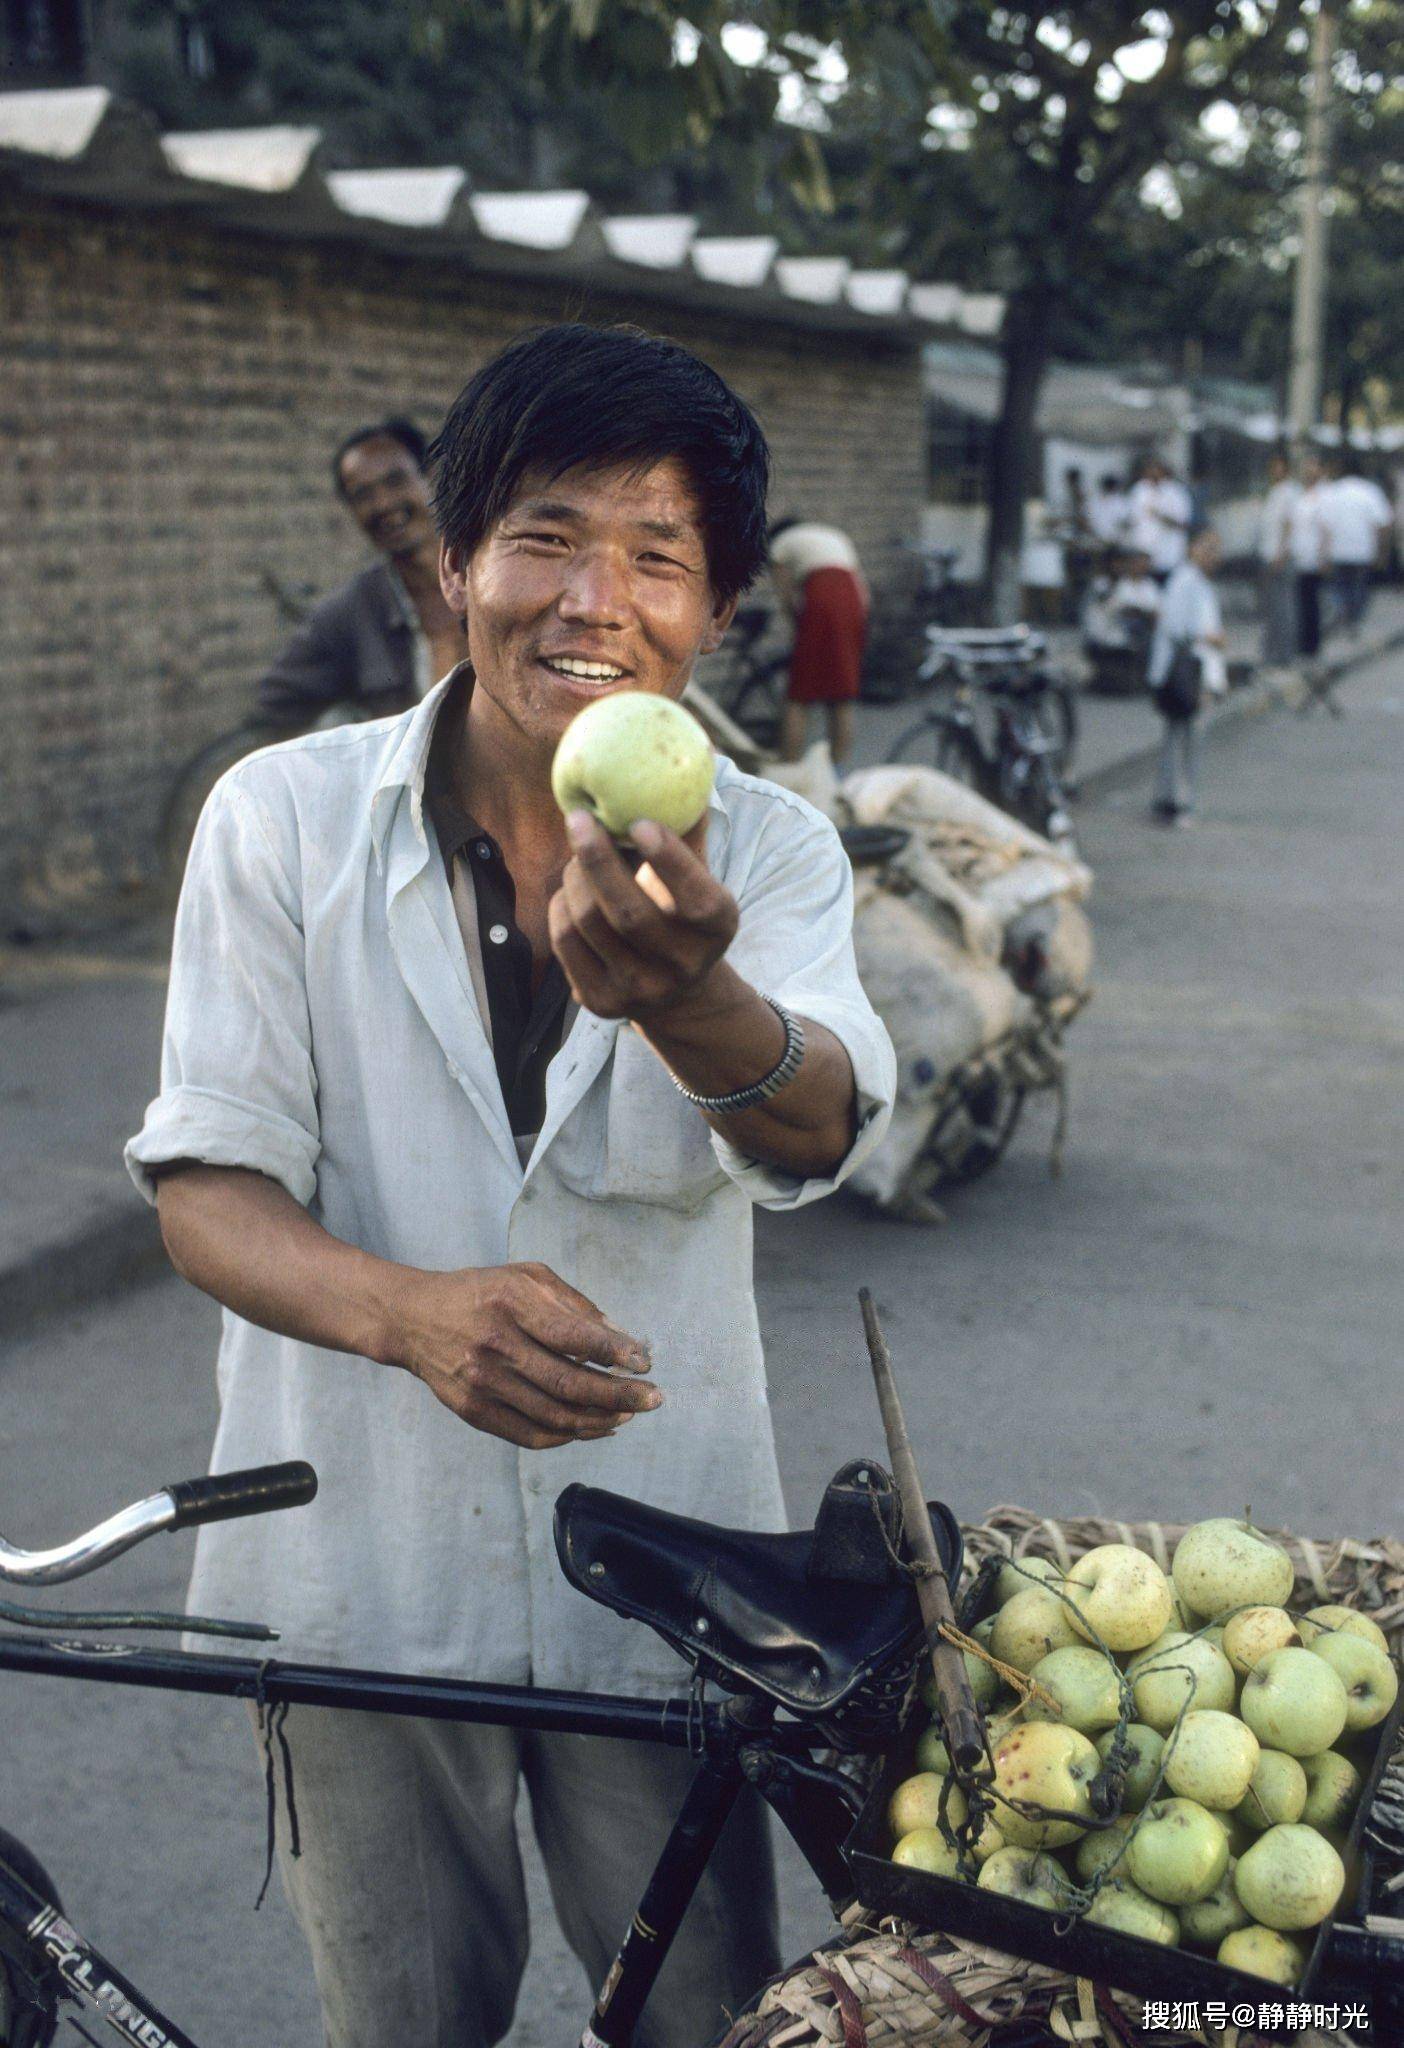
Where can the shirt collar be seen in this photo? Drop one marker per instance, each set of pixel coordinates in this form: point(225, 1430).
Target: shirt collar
point(408, 765)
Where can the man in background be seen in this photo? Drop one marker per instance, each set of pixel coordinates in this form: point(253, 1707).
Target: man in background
point(1160, 516)
point(1306, 543)
point(381, 641)
point(1356, 517)
point(815, 571)
point(1277, 592)
point(1107, 511)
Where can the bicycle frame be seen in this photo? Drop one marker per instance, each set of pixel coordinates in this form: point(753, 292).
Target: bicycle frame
point(736, 1741)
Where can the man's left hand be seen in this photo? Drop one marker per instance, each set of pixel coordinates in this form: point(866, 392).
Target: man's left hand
point(635, 945)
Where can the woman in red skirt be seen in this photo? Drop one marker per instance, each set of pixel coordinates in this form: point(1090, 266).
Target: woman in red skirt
point(815, 572)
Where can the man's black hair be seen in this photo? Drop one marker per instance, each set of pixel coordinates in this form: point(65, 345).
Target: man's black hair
point(574, 396)
point(403, 431)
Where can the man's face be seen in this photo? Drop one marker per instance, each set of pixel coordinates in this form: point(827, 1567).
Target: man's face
point(1312, 471)
point(387, 495)
point(592, 582)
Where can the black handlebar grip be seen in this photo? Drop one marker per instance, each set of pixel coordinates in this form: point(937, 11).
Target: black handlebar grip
point(225, 1495)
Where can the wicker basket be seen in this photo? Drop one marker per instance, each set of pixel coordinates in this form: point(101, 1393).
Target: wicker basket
point(894, 1986)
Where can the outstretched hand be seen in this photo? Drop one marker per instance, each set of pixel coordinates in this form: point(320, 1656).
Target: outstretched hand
point(635, 945)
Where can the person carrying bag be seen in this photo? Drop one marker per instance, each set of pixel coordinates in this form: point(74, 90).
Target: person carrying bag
point(1186, 663)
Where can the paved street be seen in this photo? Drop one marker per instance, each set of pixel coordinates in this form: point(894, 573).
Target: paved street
point(1201, 1315)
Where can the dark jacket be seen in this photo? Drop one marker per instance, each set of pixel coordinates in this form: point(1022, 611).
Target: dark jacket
point(356, 647)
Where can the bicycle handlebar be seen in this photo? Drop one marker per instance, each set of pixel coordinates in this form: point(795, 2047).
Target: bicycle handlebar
point(184, 1505)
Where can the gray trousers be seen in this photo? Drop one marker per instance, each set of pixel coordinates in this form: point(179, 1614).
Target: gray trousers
point(1279, 610)
point(1177, 772)
point(410, 1892)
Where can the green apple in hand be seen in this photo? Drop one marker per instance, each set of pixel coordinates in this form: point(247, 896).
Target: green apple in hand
point(1333, 1788)
point(1176, 1672)
point(1251, 1633)
point(1122, 1905)
point(1025, 1874)
point(1120, 1596)
point(1293, 1700)
point(1179, 1852)
point(1211, 1758)
point(1084, 1685)
point(1204, 1922)
point(1277, 1792)
point(1366, 1672)
point(1262, 1952)
point(1047, 1765)
point(1221, 1564)
point(633, 755)
point(1147, 1747)
point(1290, 1878)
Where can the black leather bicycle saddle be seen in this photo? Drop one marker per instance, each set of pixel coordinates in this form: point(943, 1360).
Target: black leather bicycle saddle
point(786, 1616)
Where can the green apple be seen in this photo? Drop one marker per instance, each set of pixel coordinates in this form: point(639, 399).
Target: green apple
point(1293, 1700)
point(1020, 1574)
point(1333, 1788)
point(927, 1849)
point(1277, 1792)
point(1366, 1672)
point(1221, 1564)
point(1263, 1952)
point(1179, 1851)
point(983, 1678)
point(917, 1803)
point(1176, 1672)
point(931, 1752)
point(1211, 1758)
point(633, 755)
point(1253, 1631)
point(1146, 1747)
point(1348, 1620)
point(1047, 1765)
point(1103, 1847)
point(1120, 1596)
point(1025, 1874)
point(1204, 1922)
point(1123, 1906)
point(1029, 1626)
point(1290, 1878)
point(1084, 1685)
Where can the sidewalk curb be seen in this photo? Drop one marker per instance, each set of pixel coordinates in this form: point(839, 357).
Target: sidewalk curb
point(1254, 701)
point(120, 1249)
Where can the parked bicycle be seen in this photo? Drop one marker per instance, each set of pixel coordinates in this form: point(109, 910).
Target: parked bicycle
point(803, 1648)
point(1020, 758)
point(750, 678)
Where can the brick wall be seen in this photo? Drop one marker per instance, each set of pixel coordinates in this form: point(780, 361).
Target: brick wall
point(168, 399)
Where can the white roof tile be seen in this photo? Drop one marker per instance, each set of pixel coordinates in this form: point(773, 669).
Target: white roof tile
point(939, 303)
point(819, 279)
point(877, 291)
point(660, 241)
point(981, 312)
point(56, 124)
point(535, 220)
point(734, 259)
point(256, 159)
point(411, 199)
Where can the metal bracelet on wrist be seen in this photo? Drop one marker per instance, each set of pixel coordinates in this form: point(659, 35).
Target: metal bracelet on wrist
point(770, 1084)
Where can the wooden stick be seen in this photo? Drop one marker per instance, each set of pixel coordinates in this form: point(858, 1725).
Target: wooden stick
point(964, 1731)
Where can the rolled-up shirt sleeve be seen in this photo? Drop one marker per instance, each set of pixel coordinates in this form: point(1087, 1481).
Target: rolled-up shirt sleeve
point(238, 1086)
point(795, 943)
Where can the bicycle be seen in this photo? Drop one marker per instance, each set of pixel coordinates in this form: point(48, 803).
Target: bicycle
point(751, 685)
point(1021, 765)
point(812, 1637)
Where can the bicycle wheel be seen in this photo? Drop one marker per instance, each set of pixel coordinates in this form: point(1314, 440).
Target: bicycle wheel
point(975, 1133)
point(756, 706)
point(936, 743)
point(1055, 710)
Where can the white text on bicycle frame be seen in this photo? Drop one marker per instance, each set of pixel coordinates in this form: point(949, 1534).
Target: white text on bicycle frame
point(65, 1950)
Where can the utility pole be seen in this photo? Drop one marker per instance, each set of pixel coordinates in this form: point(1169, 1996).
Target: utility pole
point(1309, 293)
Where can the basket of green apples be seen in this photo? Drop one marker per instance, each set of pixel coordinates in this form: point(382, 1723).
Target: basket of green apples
point(1185, 1731)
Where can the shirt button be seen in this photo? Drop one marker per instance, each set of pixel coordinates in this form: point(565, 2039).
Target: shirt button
point(498, 934)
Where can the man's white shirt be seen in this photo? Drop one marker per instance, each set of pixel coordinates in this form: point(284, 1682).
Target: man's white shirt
point(1354, 513)
point(1189, 615)
point(1159, 521)
point(1306, 530)
point(322, 1029)
point(1275, 523)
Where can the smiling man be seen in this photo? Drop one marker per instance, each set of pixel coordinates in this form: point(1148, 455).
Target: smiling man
point(462, 1119)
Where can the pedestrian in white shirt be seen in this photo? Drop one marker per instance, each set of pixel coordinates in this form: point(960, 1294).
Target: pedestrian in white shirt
point(1186, 666)
point(462, 1121)
point(1277, 583)
point(1160, 516)
point(1357, 519)
point(1108, 510)
point(1306, 545)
